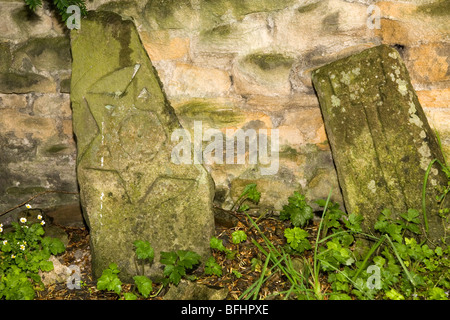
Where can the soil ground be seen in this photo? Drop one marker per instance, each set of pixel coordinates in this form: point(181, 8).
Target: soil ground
point(78, 253)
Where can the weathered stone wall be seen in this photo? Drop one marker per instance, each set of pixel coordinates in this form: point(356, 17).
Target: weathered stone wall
point(227, 63)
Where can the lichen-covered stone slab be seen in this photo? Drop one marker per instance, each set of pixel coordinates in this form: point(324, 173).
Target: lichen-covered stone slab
point(130, 189)
point(381, 141)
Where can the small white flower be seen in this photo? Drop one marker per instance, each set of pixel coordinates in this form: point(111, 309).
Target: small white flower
point(5, 242)
point(13, 256)
point(42, 222)
point(22, 247)
point(23, 220)
point(1, 229)
point(39, 217)
point(28, 206)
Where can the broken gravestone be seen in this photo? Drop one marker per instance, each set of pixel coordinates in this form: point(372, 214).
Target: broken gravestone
point(381, 141)
point(129, 187)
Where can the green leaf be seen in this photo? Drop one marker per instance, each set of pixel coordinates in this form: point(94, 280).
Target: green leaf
point(217, 244)
point(144, 285)
point(174, 273)
point(394, 295)
point(339, 296)
point(109, 279)
point(54, 245)
point(297, 210)
point(168, 258)
point(251, 193)
point(411, 216)
point(354, 222)
point(46, 265)
point(212, 267)
point(243, 208)
point(129, 296)
point(144, 250)
point(297, 239)
point(437, 293)
point(188, 259)
point(238, 236)
point(114, 268)
point(237, 274)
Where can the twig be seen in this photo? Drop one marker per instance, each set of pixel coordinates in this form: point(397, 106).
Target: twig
point(34, 197)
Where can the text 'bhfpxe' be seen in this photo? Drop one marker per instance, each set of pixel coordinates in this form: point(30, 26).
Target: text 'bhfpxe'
point(230, 309)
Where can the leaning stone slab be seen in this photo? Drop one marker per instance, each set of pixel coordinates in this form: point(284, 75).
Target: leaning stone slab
point(381, 141)
point(130, 190)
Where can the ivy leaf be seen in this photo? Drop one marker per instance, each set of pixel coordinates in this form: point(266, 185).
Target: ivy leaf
point(144, 285)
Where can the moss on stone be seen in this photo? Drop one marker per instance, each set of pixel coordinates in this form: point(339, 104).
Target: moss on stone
point(287, 152)
point(165, 12)
point(241, 8)
point(5, 56)
point(214, 113)
point(45, 53)
point(64, 86)
point(438, 8)
point(378, 132)
point(220, 31)
point(124, 8)
point(309, 7)
point(22, 83)
point(270, 61)
point(20, 191)
point(56, 148)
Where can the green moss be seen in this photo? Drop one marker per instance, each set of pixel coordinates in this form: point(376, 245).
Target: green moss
point(217, 32)
point(18, 191)
point(25, 18)
point(65, 86)
point(121, 7)
point(56, 148)
point(270, 61)
point(209, 112)
point(241, 8)
point(164, 12)
point(5, 57)
point(438, 8)
point(309, 7)
point(20, 83)
point(47, 53)
point(287, 152)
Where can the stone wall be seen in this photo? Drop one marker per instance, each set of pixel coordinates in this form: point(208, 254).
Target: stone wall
point(228, 63)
